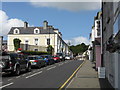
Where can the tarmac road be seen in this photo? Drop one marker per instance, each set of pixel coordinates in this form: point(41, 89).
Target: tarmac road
point(52, 76)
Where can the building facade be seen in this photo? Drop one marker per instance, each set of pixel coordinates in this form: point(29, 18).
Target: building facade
point(111, 42)
point(94, 49)
point(37, 38)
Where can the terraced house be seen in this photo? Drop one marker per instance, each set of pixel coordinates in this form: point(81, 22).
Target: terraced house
point(38, 38)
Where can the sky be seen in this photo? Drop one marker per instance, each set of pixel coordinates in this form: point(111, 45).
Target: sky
point(73, 19)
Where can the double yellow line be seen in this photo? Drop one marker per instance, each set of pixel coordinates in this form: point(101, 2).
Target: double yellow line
point(71, 76)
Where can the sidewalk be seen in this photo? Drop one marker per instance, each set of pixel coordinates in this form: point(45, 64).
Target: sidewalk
point(87, 77)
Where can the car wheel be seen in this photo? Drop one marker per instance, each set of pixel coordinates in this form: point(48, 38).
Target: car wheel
point(45, 64)
point(17, 72)
point(28, 68)
point(39, 66)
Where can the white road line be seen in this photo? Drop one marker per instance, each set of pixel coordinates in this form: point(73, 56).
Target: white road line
point(9, 79)
point(60, 64)
point(18, 77)
point(33, 74)
point(6, 85)
point(51, 67)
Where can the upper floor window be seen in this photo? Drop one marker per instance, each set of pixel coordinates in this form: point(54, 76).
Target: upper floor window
point(16, 31)
point(36, 41)
point(36, 31)
point(48, 41)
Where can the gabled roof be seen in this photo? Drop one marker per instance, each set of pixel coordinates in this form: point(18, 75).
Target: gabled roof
point(30, 30)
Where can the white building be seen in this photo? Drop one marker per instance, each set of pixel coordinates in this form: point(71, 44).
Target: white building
point(37, 38)
point(94, 49)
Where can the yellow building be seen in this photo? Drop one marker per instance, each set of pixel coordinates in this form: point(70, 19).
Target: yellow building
point(37, 38)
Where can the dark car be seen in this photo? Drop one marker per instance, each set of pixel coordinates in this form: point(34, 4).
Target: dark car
point(37, 61)
point(14, 63)
point(49, 59)
point(61, 55)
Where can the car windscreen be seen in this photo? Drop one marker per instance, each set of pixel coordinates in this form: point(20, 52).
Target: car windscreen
point(59, 54)
point(31, 58)
point(55, 56)
point(39, 57)
point(44, 57)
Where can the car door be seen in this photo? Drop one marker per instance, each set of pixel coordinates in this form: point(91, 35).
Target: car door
point(41, 61)
point(21, 61)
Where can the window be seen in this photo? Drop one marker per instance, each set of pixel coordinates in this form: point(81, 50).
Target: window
point(48, 41)
point(36, 41)
point(116, 25)
point(26, 41)
point(36, 49)
point(36, 31)
point(16, 31)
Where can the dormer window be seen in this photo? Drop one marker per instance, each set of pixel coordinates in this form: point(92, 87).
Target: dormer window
point(36, 31)
point(16, 31)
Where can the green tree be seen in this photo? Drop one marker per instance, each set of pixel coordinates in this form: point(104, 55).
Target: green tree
point(80, 48)
point(16, 43)
point(50, 49)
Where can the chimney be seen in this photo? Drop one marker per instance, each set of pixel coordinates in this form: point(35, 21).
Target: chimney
point(25, 24)
point(45, 24)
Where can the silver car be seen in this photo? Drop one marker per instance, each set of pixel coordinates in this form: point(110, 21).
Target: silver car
point(37, 61)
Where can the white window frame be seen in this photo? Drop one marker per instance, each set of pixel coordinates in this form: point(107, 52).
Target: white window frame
point(17, 31)
point(37, 41)
point(36, 29)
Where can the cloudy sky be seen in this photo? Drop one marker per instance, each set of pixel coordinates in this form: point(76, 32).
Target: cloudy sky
point(73, 19)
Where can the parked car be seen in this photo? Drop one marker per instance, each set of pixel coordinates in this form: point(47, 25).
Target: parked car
point(56, 58)
point(62, 56)
point(48, 58)
point(36, 61)
point(67, 57)
point(14, 63)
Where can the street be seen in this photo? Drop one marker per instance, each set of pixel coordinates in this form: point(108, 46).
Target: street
point(52, 76)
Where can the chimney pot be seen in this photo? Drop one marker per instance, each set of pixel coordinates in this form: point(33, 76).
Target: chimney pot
point(25, 24)
point(45, 24)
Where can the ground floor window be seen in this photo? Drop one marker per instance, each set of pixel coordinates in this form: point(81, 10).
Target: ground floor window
point(36, 50)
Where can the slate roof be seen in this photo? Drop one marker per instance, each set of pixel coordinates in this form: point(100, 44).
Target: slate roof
point(30, 30)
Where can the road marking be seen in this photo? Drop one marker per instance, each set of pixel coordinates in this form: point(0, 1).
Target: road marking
point(71, 76)
point(33, 74)
point(6, 85)
point(18, 77)
point(60, 64)
point(51, 67)
point(70, 83)
point(9, 79)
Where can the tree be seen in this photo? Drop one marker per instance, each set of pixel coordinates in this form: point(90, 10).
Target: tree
point(80, 48)
point(16, 42)
point(50, 49)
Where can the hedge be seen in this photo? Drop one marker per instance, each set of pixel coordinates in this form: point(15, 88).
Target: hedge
point(34, 52)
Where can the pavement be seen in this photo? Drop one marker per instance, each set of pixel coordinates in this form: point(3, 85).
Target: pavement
point(87, 77)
